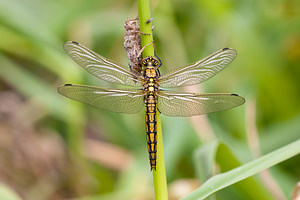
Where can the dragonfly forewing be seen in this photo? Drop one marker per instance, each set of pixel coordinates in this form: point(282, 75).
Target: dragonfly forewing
point(181, 104)
point(115, 100)
point(199, 71)
point(101, 67)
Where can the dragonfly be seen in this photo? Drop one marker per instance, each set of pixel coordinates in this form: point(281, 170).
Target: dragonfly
point(149, 89)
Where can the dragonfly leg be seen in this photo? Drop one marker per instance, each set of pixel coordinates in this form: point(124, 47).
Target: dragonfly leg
point(160, 63)
point(158, 110)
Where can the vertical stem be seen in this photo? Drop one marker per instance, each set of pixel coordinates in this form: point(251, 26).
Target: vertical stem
point(159, 175)
point(144, 16)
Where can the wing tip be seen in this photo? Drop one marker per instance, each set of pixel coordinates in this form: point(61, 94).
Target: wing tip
point(228, 49)
point(68, 84)
point(243, 100)
point(70, 43)
point(74, 42)
point(61, 88)
point(231, 51)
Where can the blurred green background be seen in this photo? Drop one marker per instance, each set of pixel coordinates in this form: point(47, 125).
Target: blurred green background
point(55, 148)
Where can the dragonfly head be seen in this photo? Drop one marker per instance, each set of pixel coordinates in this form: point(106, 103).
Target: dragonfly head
point(150, 62)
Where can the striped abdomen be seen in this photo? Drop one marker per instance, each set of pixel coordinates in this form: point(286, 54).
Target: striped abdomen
point(151, 128)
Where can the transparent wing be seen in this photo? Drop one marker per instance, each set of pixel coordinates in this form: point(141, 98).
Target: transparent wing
point(124, 101)
point(199, 71)
point(188, 104)
point(99, 66)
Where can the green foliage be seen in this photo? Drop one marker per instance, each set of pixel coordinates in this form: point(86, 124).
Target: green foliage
point(227, 161)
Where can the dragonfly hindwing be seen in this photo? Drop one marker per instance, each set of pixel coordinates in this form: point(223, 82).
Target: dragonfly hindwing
point(115, 100)
point(182, 104)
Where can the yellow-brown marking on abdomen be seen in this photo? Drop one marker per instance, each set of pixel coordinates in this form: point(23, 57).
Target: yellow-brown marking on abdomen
point(151, 129)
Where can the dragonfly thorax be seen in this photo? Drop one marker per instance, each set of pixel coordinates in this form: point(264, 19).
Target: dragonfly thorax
point(150, 85)
point(150, 73)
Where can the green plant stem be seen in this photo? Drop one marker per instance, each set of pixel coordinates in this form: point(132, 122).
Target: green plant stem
point(144, 16)
point(159, 175)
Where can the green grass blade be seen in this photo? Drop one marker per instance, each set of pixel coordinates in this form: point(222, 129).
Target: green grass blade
point(223, 180)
